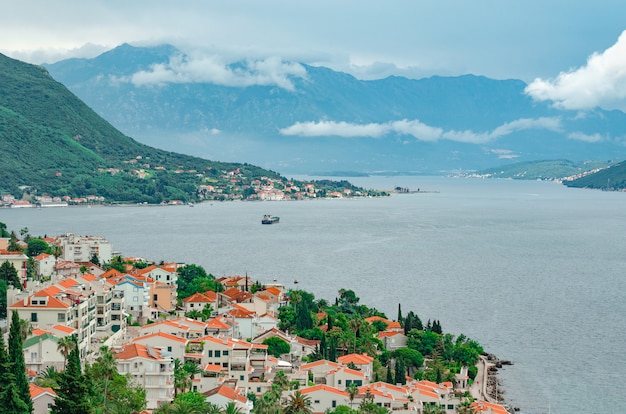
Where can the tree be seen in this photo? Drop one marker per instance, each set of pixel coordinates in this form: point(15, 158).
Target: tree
point(16, 356)
point(400, 371)
point(65, 346)
point(36, 247)
point(73, 391)
point(433, 409)
point(231, 408)
point(298, 403)
point(95, 260)
point(465, 407)
point(411, 358)
point(352, 391)
point(57, 252)
point(277, 346)
point(9, 274)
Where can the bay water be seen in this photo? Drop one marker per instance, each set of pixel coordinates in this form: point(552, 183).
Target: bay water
point(533, 271)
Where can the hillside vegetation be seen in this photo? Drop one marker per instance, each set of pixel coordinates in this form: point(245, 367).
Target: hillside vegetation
point(52, 143)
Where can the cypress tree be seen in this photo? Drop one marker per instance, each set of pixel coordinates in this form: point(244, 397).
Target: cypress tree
point(400, 371)
point(73, 390)
point(399, 313)
point(16, 357)
point(389, 379)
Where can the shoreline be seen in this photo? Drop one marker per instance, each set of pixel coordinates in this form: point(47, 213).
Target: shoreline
point(487, 386)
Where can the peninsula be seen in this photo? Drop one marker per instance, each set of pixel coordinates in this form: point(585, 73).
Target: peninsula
point(176, 335)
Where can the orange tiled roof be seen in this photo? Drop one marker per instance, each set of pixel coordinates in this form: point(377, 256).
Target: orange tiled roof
point(324, 388)
point(356, 359)
point(36, 391)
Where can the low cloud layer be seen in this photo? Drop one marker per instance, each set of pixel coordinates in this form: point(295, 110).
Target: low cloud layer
point(600, 83)
point(416, 129)
point(180, 69)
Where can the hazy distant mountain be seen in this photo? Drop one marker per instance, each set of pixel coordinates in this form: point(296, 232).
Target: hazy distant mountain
point(270, 113)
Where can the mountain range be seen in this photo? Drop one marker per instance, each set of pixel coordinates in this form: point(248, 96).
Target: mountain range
point(302, 119)
point(53, 144)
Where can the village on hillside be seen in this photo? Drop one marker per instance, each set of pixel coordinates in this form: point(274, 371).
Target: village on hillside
point(137, 313)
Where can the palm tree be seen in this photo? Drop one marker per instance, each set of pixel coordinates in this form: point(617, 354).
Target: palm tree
point(26, 329)
point(268, 403)
point(465, 407)
point(352, 391)
point(48, 378)
point(298, 404)
point(191, 370)
point(65, 346)
point(231, 408)
point(355, 325)
point(57, 252)
point(105, 367)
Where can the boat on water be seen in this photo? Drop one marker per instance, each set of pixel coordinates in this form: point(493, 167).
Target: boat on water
point(269, 219)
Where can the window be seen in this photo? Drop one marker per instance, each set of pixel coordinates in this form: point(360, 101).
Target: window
point(258, 389)
point(225, 353)
point(33, 317)
point(333, 403)
point(241, 378)
point(224, 364)
point(316, 401)
point(135, 299)
point(210, 353)
point(339, 382)
point(450, 406)
point(60, 317)
point(218, 354)
point(155, 297)
point(169, 349)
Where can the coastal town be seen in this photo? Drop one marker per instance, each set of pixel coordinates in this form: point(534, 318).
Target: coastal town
point(228, 335)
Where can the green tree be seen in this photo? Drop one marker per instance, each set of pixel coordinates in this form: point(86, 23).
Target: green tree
point(73, 391)
point(9, 274)
point(66, 345)
point(95, 260)
point(352, 391)
point(411, 358)
point(16, 356)
point(231, 408)
point(3, 299)
point(400, 371)
point(36, 247)
point(3, 231)
point(276, 346)
point(298, 403)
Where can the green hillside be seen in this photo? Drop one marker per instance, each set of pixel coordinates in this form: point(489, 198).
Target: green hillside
point(543, 170)
point(612, 179)
point(52, 143)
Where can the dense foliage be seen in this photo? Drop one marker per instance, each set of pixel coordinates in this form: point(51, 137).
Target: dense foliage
point(612, 179)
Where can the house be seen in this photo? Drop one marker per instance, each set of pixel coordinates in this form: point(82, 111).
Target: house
point(164, 273)
point(363, 363)
point(343, 377)
point(17, 260)
point(224, 394)
point(150, 369)
point(300, 347)
point(324, 397)
point(487, 407)
point(393, 340)
point(41, 351)
point(43, 398)
point(83, 248)
point(166, 343)
point(198, 301)
point(320, 369)
point(45, 264)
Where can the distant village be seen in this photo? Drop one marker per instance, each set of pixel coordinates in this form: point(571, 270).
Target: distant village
point(138, 314)
point(230, 186)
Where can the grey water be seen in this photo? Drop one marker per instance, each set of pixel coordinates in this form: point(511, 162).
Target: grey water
point(533, 271)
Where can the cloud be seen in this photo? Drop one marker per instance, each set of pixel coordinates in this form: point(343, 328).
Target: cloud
point(417, 129)
point(183, 69)
point(580, 136)
point(504, 153)
point(600, 83)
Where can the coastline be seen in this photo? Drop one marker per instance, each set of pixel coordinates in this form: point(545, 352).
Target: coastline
point(487, 386)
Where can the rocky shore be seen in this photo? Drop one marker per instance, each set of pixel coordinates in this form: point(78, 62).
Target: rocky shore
point(493, 390)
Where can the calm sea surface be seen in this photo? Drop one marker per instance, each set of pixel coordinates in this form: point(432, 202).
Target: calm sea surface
point(534, 271)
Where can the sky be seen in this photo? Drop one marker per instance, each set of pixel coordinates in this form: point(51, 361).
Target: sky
point(572, 53)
